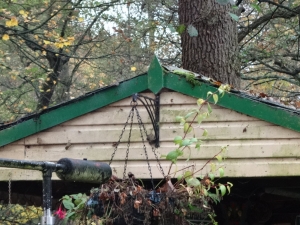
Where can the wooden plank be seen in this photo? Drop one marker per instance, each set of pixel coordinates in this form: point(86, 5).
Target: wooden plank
point(232, 130)
point(167, 98)
point(20, 174)
point(169, 113)
point(251, 149)
point(232, 167)
point(126, 101)
point(110, 133)
point(85, 134)
point(112, 115)
point(13, 151)
point(109, 115)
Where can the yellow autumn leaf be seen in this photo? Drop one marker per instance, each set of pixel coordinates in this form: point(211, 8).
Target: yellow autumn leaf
point(54, 82)
point(48, 90)
point(46, 42)
point(71, 38)
point(8, 23)
point(59, 44)
point(36, 37)
point(5, 37)
point(67, 43)
point(80, 19)
point(12, 22)
point(133, 68)
point(44, 53)
point(22, 12)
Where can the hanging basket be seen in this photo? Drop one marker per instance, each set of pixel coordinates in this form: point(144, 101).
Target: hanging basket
point(126, 202)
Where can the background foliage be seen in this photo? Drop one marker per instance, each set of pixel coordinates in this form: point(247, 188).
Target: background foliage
point(52, 51)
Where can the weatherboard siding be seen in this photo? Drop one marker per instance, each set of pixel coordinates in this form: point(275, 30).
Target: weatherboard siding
point(256, 148)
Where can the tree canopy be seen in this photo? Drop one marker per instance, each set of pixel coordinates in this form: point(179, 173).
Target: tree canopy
point(52, 51)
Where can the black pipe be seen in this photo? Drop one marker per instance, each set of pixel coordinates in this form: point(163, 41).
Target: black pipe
point(84, 171)
point(31, 165)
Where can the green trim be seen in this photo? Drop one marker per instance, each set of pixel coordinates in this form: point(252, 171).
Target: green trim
point(73, 110)
point(155, 81)
point(237, 103)
point(155, 76)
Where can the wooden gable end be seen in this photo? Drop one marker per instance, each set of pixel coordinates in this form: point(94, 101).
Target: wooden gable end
point(256, 148)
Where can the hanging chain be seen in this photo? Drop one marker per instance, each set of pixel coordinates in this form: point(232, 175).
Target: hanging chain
point(142, 129)
point(121, 135)
point(153, 150)
point(144, 147)
point(128, 142)
point(9, 188)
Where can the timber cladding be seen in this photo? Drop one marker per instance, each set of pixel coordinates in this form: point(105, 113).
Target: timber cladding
point(256, 148)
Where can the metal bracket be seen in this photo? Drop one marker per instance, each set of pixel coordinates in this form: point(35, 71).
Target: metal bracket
point(152, 107)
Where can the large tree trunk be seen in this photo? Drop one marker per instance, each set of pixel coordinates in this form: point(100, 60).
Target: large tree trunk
point(214, 52)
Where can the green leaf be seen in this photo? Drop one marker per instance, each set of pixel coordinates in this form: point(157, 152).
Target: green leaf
point(222, 189)
point(200, 101)
point(198, 145)
point(211, 176)
point(66, 197)
point(187, 128)
point(201, 117)
point(216, 98)
point(213, 167)
point(179, 152)
point(209, 93)
point(189, 114)
point(221, 172)
point(180, 177)
point(205, 133)
point(209, 108)
point(77, 201)
point(234, 17)
point(195, 209)
point(187, 175)
point(181, 28)
point(172, 156)
point(68, 204)
point(185, 142)
point(194, 182)
point(192, 31)
point(69, 215)
point(177, 140)
point(178, 118)
point(255, 6)
point(220, 90)
point(229, 184)
point(189, 156)
point(193, 140)
point(223, 2)
point(228, 188)
point(219, 158)
point(182, 121)
point(214, 197)
point(205, 192)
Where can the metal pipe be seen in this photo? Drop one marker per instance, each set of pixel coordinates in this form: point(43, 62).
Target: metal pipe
point(31, 165)
point(84, 171)
point(47, 218)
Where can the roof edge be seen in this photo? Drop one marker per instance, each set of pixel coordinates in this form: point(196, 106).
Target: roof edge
point(40, 122)
point(250, 107)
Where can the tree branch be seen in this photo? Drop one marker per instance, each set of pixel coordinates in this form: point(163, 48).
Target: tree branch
point(281, 13)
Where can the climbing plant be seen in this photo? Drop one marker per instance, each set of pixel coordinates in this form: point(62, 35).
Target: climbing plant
point(172, 201)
